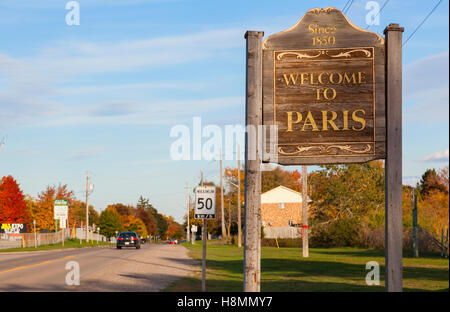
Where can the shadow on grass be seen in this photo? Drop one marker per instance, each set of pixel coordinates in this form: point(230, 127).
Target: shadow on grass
point(305, 275)
point(364, 253)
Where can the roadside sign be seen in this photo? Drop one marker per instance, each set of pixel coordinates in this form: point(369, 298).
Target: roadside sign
point(62, 223)
point(61, 209)
point(194, 228)
point(205, 202)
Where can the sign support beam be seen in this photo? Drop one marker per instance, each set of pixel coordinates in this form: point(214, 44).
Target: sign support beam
point(393, 214)
point(252, 250)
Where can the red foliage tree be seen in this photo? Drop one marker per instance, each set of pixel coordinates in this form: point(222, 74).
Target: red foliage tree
point(13, 207)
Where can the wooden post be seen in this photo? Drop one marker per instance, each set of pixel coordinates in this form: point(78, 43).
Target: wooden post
point(414, 222)
point(305, 242)
point(221, 199)
point(393, 215)
point(204, 239)
point(188, 236)
point(229, 218)
point(239, 196)
point(253, 109)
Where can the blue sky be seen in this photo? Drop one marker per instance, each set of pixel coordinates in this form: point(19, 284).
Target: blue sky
point(103, 96)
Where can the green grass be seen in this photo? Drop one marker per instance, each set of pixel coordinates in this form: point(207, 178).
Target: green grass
point(71, 243)
point(327, 269)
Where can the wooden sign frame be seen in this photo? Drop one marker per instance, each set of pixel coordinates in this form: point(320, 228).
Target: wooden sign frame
point(297, 48)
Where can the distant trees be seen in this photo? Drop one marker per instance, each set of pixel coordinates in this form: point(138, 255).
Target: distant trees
point(144, 219)
point(433, 203)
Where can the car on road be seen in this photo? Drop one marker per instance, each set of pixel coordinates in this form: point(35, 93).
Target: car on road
point(128, 239)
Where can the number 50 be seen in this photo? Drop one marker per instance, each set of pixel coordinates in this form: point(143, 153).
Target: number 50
point(202, 204)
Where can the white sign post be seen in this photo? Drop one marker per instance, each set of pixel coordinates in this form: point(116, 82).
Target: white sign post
point(194, 233)
point(205, 208)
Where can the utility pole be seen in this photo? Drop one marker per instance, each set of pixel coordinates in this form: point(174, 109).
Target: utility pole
point(188, 236)
point(239, 196)
point(87, 207)
point(204, 238)
point(229, 217)
point(305, 245)
point(221, 197)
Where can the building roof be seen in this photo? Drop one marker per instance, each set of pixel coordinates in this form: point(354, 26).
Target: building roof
point(281, 194)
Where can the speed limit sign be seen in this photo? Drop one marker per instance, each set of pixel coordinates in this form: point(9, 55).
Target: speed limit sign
point(205, 202)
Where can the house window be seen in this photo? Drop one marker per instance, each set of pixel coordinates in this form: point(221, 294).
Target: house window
point(281, 205)
point(290, 223)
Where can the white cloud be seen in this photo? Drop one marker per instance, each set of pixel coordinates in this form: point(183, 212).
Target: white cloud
point(410, 180)
point(425, 90)
point(30, 84)
point(440, 156)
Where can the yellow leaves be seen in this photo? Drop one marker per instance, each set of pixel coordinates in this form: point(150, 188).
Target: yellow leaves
point(433, 212)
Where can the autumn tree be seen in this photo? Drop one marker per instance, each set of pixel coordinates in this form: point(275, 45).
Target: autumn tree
point(13, 207)
point(346, 199)
point(148, 220)
point(110, 222)
point(174, 229)
point(432, 181)
point(132, 223)
point(277, 177)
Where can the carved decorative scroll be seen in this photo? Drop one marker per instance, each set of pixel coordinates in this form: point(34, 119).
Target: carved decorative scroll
point(349, 53)
point(305, 150)
point(299, 55)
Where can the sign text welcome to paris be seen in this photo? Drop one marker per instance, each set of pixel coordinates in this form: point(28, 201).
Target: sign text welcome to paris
point(324, 87)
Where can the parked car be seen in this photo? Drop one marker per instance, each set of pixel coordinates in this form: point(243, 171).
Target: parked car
point(128, 239)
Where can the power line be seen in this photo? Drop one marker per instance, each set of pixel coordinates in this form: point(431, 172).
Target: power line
point(346, 5)
point(348, 8)
point(421, 23)
point(386, 2)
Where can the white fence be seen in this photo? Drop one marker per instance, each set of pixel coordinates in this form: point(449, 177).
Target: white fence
point(40, 239)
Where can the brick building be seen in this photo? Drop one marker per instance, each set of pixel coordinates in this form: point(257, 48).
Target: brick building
point(281, 210)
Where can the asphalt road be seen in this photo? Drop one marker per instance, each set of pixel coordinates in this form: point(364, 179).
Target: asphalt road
point(151, 268)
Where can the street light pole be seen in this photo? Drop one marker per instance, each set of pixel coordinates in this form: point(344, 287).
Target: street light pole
point(87, 207)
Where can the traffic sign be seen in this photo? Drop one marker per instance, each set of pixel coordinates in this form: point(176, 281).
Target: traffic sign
point(61, 209)
point(193, 228)
point(205, 202)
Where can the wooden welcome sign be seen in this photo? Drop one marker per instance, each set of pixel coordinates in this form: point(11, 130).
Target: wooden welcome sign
point(334, 92)
point(324, 87)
